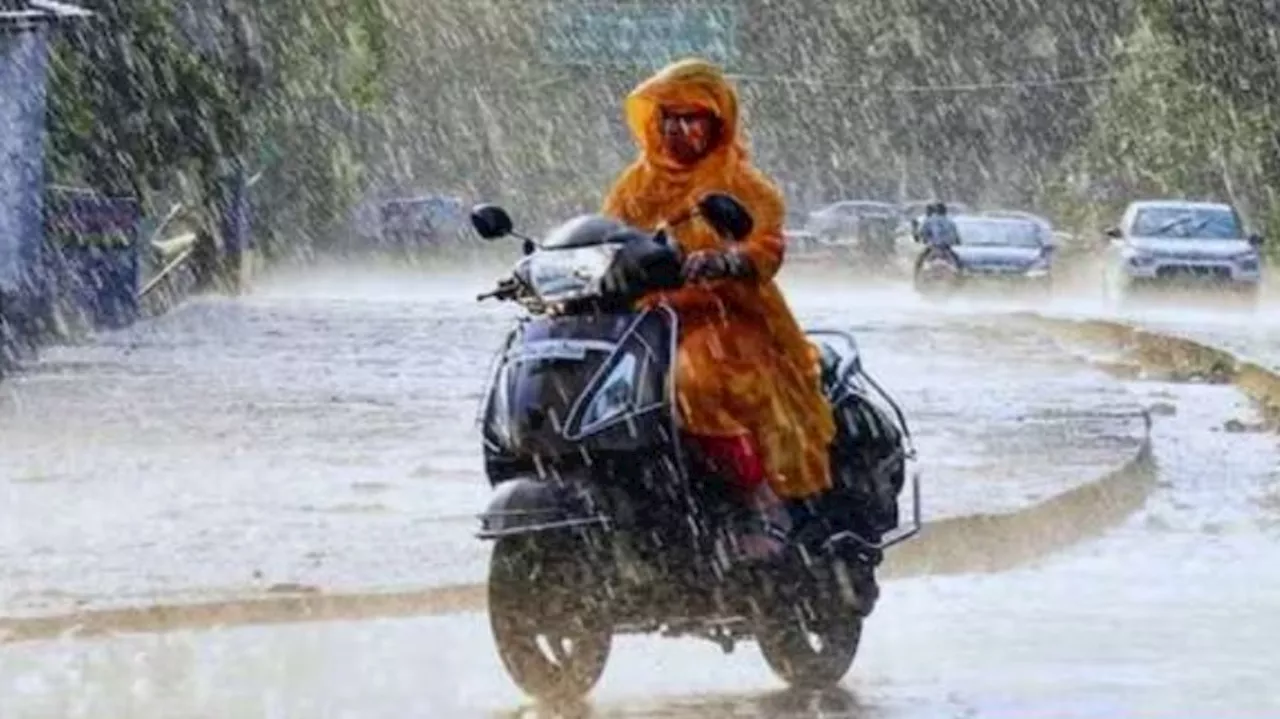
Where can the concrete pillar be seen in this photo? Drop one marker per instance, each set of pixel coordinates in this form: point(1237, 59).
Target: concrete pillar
point(237, 237)
point(24, 72)
point(223, 259)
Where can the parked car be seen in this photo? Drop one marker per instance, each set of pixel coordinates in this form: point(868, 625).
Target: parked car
point(1001, 249)
point(1163, 243)
point(420, 222)
point(865, 227)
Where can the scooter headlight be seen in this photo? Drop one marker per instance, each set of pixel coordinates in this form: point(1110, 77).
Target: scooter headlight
point(615, 396)
point(569, 274)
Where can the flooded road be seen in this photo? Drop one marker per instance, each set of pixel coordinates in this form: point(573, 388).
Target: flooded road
point(1250, 332)
point(312, 439)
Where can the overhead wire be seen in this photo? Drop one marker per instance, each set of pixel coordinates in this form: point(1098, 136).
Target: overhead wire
point(924, 89)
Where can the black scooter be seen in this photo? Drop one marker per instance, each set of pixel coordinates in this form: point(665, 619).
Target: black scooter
point(605, 522)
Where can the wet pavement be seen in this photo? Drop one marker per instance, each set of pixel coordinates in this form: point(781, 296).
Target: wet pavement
point(311, 439)
point(1251, 333)
point(1171, 614)
point(324, 438)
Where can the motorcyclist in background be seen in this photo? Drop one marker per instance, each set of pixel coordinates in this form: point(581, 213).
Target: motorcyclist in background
point(936, 232)
point(938, 229)
point(748, 393)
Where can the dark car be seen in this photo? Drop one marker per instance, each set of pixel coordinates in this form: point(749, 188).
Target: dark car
point(990, 249)
point(418, 222)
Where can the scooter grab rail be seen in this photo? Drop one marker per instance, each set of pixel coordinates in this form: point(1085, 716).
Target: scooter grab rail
point(852, 365)
point(898, 536)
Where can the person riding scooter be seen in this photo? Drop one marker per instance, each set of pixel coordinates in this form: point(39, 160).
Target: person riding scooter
point(748, 392)
point(938, 232)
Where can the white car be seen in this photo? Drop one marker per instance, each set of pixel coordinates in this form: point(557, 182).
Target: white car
point(1166, 242)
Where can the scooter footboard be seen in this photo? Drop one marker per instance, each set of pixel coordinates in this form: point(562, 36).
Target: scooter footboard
point(526, 505)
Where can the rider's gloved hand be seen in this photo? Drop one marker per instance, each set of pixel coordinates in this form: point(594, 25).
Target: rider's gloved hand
point(716, 264)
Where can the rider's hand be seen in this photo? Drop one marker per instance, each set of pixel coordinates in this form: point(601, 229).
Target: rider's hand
point(714, 265)
point(705, 265)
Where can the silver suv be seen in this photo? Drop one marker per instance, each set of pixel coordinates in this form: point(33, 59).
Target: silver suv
point(1167, 242)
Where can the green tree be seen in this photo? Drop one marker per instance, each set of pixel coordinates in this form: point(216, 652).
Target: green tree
point(1190, 113)
point(1231, 48)
point(156, 91)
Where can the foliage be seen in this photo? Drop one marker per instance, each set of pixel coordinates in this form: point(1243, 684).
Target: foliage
point(154, 89)
point(1189, 114)
point(1072, 106)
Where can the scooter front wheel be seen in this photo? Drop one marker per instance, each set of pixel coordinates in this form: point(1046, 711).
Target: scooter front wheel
point(937, 274)
point(549, 622)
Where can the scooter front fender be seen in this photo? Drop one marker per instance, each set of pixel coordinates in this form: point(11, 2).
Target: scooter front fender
point(525, 505)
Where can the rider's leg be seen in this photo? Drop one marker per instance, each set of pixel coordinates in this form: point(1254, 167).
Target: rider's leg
point(737, 460)
point(718, 417)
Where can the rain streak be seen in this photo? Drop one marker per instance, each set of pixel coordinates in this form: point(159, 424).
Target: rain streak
point(624, 358)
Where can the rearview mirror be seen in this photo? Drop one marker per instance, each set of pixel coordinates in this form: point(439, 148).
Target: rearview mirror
point(726, 215)
point(491, 222)
point(1113, 233)
point(1256, 240)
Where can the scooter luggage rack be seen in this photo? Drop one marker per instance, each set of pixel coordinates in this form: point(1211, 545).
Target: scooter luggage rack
point(896, 537)
point(851, 366)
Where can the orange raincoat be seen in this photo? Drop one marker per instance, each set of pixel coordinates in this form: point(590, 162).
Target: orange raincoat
point(744, 367)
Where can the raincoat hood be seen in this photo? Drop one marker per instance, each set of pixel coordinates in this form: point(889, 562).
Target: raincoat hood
point(687, 84)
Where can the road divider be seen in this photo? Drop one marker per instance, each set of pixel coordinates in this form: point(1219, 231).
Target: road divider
point(1146, 353)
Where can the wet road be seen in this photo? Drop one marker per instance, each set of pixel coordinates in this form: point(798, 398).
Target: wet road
point(1172, 614)
point(317, 438)
point(1250, 335)
point(310, 439)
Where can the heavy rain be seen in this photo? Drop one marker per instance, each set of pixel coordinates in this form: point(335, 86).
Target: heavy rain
point(437, 359)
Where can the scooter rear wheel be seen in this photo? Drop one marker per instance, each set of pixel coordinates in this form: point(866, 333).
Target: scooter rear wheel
point(809, 643)
point(807, 658)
